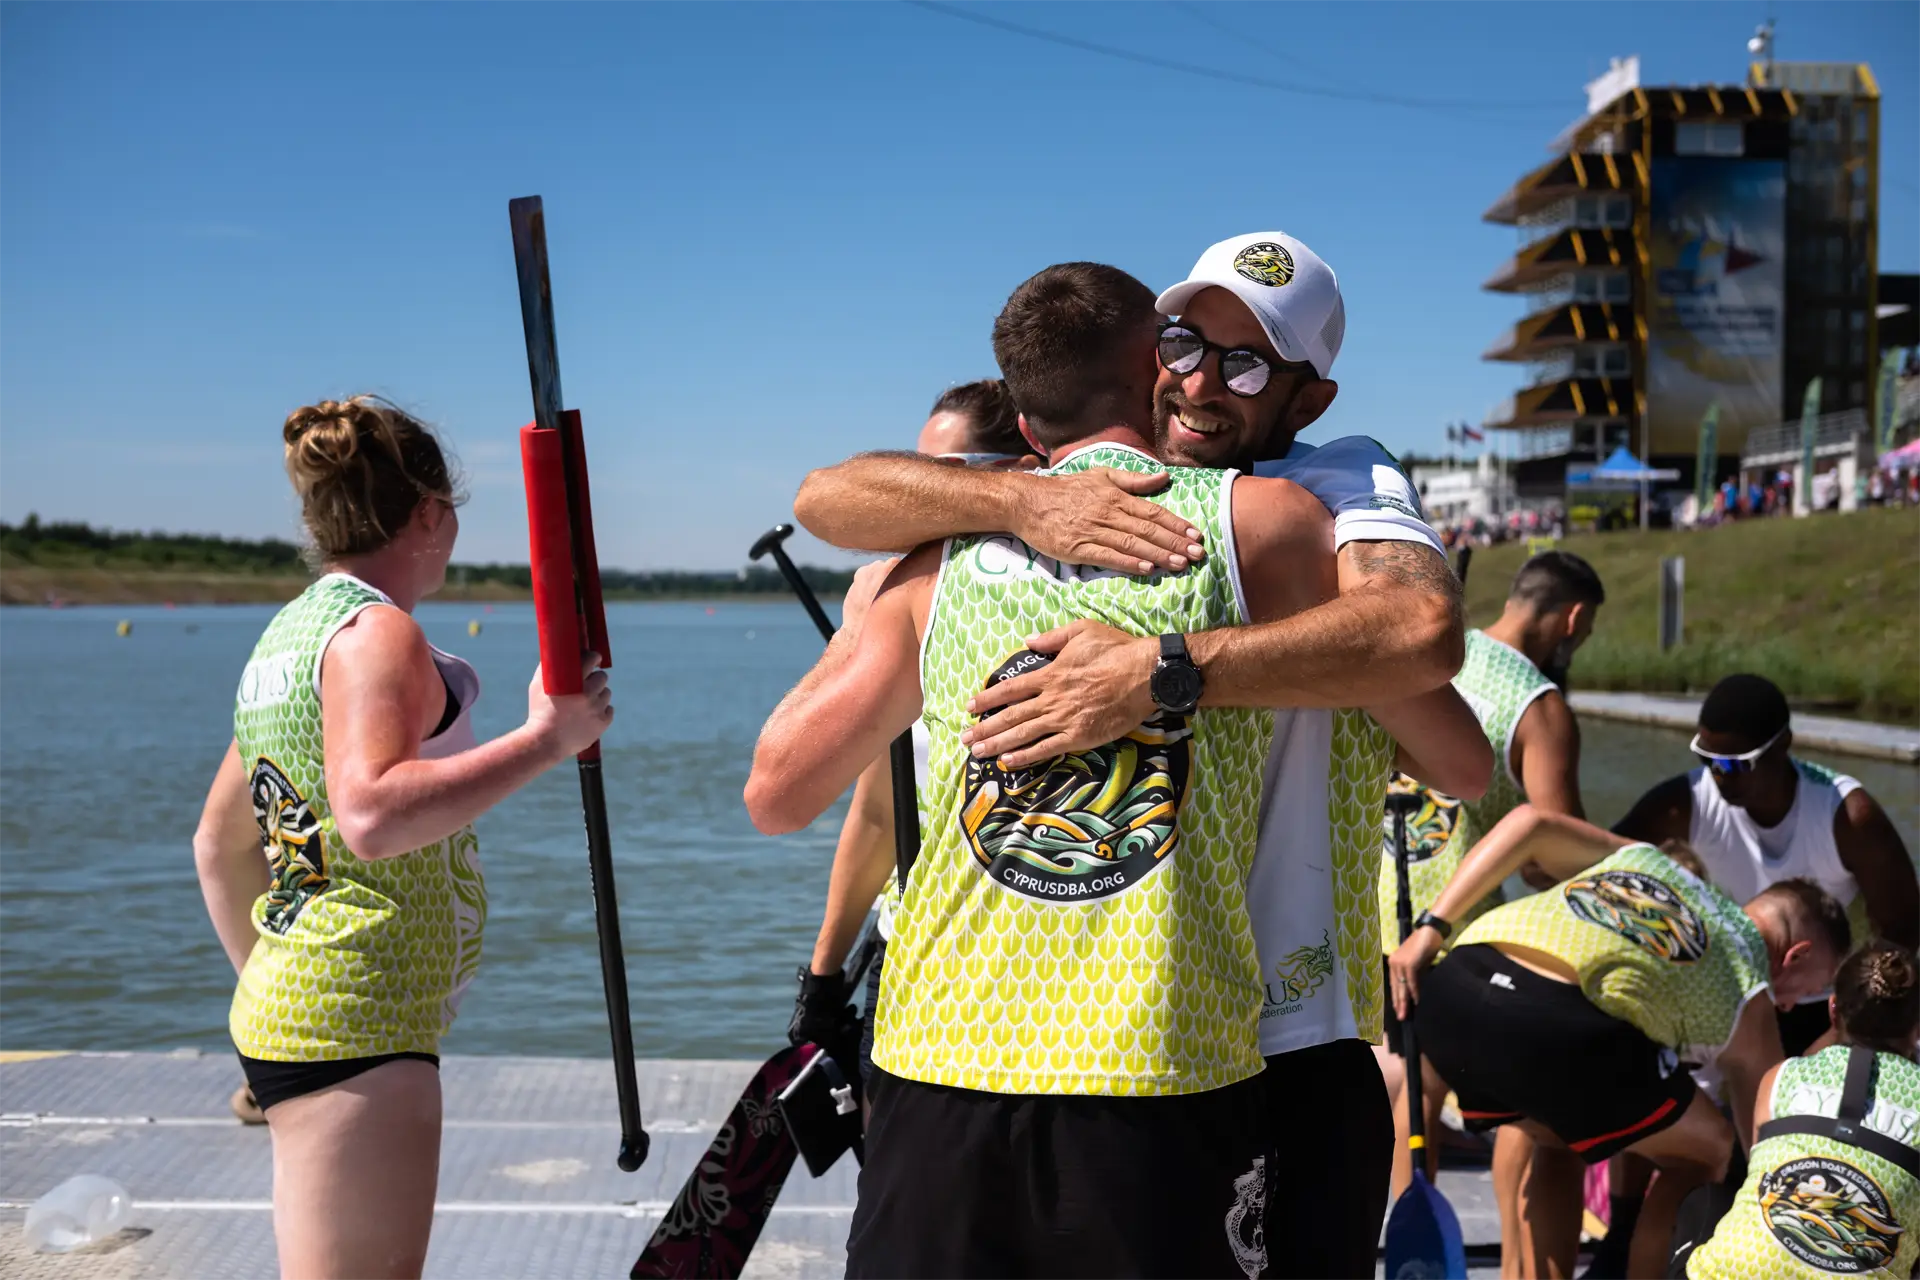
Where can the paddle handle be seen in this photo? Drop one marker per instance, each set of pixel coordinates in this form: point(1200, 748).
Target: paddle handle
point(1409, 1043)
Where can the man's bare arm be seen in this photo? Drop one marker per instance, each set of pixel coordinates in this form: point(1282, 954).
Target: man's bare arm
point(1395, 632)
point(1870, 847)
point(1664, 813)
point(1440, 742)
point(897, 501)
point(861, 695)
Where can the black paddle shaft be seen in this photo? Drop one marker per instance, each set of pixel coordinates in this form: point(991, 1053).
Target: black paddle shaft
point(906, 793)
point(543, 367)
point(1400, 804)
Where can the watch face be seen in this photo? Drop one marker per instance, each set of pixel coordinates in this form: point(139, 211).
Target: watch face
point(1176, 687)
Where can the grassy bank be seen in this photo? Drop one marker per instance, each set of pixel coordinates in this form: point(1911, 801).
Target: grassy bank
point(1828, 608)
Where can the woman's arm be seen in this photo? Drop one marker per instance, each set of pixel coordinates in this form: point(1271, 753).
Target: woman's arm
point(1562, 847)
point(378, 693)
point(861, 863)
point(226, 853)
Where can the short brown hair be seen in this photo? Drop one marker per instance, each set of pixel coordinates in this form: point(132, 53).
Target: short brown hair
point(361, 467)
point(1061, 341)
point(1817, 915)
point(993, 424)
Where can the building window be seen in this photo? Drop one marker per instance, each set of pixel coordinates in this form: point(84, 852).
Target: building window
point(1619, 211)
point(1619, 287)
point(1586, 212)
point(1614, 362)
point(1709, 138)
point(1586, 287)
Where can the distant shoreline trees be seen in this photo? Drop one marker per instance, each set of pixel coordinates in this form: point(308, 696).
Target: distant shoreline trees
point(71, 545)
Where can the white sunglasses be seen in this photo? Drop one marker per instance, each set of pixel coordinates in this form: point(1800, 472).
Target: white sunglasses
point(1733, 764)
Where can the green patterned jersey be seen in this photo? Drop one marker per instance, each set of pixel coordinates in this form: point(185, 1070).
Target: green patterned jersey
point(354, 958)
point(1651, 944)
point(1814, 1207)
point(1499, 683)
point(1362, 762)
point(1079, 927)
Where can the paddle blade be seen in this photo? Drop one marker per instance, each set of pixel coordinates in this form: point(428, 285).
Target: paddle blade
point(711, 1227)
point(1423, 1235)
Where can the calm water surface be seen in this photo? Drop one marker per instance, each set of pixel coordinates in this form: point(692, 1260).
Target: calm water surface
point(107, 746)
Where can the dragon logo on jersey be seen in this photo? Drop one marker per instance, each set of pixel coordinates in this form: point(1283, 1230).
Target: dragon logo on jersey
point(1304, 971)
point(1079, 827)
point(1643, 911)
point(295, 846)
point(1430, 827)
point(1830, 1215)
point(1265, 263)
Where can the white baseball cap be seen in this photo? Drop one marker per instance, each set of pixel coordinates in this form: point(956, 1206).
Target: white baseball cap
point(1287, 286)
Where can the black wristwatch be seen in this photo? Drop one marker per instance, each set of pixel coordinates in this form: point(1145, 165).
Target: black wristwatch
point(1176, 683)
point(1429, 920)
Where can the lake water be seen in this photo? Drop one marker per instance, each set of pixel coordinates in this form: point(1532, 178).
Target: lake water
point(107, 745)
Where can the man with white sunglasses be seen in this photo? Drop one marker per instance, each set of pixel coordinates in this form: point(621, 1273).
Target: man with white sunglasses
point(1756, 815)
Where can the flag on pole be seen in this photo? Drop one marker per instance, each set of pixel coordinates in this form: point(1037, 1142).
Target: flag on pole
point(1468, 433)
point(1809, 418)
point(1709, 460)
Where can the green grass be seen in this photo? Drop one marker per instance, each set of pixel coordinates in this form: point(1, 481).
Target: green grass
point(1828, 608)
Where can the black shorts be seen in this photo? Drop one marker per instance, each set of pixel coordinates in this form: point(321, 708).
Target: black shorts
point(272, 1082)
point(1516, 1045)
point(1332, 1133)
point(959, 1182)
point(868, 1005)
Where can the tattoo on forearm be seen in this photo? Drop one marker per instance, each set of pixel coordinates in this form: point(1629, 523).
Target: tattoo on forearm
point(1407, 564)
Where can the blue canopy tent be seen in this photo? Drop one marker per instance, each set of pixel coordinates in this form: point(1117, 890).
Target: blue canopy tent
point(1621, 471)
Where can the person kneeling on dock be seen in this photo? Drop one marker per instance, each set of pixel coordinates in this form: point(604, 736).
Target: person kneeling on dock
point(1577, 1011)
point(1756, 815)
point(1833, 1185)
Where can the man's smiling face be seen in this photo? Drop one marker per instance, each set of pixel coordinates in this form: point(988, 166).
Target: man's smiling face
point(1198, 422)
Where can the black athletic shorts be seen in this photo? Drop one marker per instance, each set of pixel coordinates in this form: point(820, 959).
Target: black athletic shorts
point(1332, 1135)
point(1514, 1044)
point(272, 1082)
point(963, 1183)
point(868, 1005)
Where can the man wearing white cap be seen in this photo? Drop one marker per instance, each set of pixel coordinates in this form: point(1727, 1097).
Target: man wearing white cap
point(1245, 369)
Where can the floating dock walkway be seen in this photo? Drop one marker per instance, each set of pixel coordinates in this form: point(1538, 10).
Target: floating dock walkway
point(528, 1185)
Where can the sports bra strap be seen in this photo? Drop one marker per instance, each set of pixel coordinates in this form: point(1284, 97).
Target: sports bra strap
point(1849, 1127)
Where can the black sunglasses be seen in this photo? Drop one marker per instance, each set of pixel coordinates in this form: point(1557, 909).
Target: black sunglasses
point(1245, 371)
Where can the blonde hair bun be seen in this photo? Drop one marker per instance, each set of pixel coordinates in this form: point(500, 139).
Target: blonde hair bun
point(361, 467)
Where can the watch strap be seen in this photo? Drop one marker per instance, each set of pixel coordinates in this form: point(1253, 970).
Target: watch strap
point(1426, 919)
point(1173, 645)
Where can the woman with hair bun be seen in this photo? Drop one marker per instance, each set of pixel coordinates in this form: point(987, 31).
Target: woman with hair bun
point(1833, 1183)
point(355, 769)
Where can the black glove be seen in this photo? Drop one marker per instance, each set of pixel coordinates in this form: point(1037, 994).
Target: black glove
point(820, 1012)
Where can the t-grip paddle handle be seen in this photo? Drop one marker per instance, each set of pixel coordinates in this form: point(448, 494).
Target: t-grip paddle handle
point(567, 604)
point(1401, 804)
point(769, 544)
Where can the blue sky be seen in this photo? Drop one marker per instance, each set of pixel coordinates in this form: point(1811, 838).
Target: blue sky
point(778, 231)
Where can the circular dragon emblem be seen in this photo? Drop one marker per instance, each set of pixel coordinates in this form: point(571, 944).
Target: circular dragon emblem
point(1265, 263)
point(1430, 827)
point(1079, 827)
point(1830, 1215)
point(1643, 911)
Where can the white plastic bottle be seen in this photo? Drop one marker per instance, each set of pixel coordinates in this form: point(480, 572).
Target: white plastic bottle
point(77, 1213)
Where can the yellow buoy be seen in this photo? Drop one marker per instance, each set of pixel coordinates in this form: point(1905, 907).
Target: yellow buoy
point(473, 627)
point(124, 629)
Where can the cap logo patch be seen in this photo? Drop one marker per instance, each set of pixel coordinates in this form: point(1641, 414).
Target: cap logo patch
point(1265, 263)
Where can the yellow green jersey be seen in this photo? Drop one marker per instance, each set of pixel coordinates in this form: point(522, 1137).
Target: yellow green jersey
point(1499, 683)
point(1079, 927)
point(1813, 1206)
point(354, 958)
point(1650, 943)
